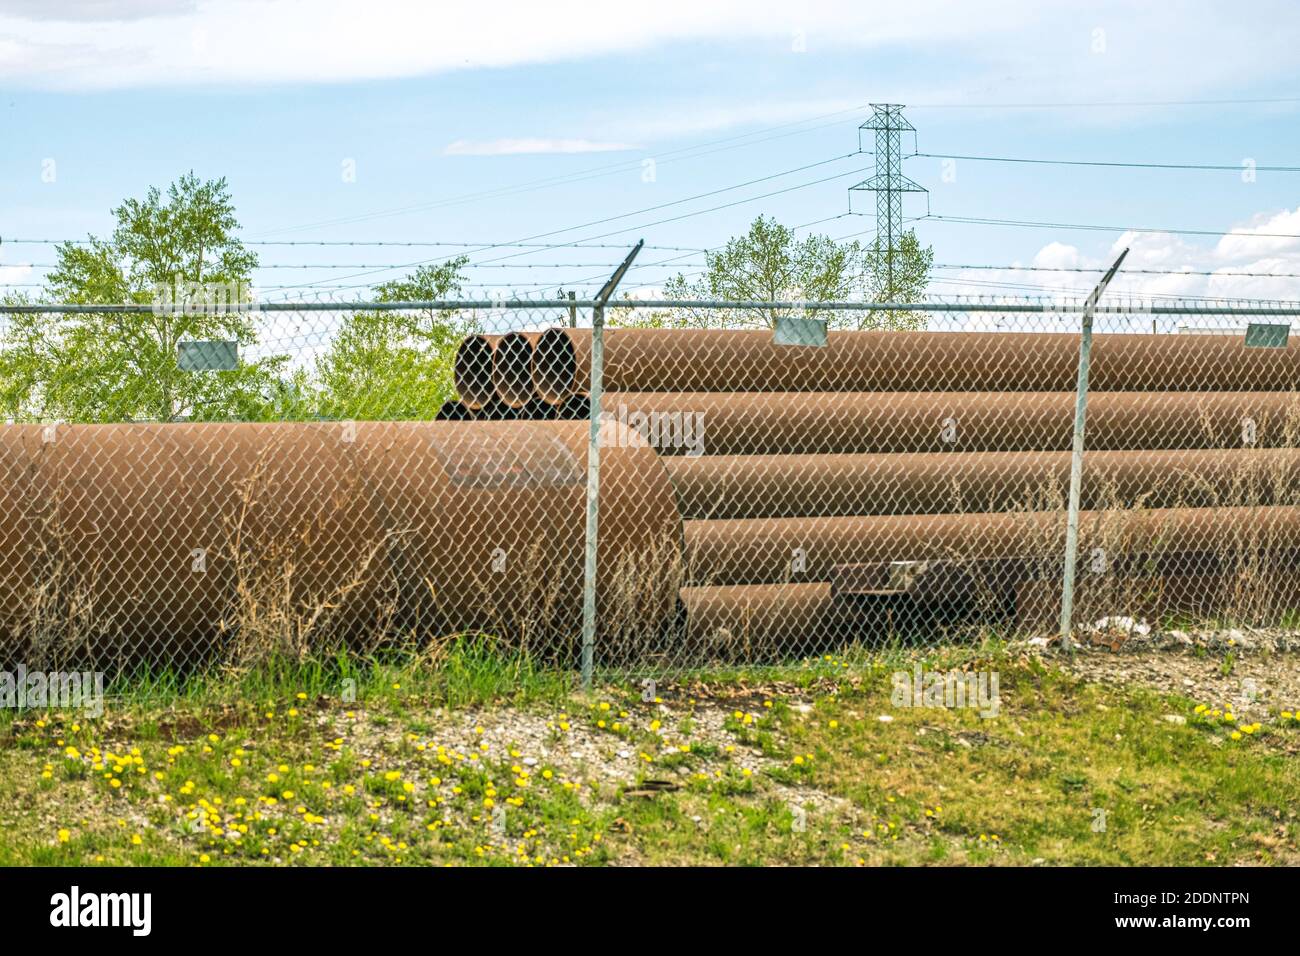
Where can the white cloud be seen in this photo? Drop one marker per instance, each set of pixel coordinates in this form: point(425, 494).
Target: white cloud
point(81, 11)
point(1009, 45)
point(1057, 255)
point(515, 147)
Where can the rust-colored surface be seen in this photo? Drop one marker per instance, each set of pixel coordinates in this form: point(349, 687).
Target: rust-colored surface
point(22, 532)
point(160, 529)
point(562, 364)
point(714, 360)
point(776, 550)
point(811, 423)
point(472, 369)
point(512, 369)
point(793, 486)
point(493, 524)
point(748, 623)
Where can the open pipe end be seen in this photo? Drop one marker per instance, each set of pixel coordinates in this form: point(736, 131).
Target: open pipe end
point(574, 408)
point(472, 371)
point(512, 369)
point(555, 367)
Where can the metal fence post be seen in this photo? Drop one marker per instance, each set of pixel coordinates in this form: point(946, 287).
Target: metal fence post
point(593, 467)
point(593, 493)
point(1076, 459)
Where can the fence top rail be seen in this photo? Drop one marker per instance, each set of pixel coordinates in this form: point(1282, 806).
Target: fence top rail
point(449, 305)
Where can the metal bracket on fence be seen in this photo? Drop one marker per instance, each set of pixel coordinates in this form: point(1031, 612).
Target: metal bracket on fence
point(215, 356)
point(1265, 335)
point(1076, 460)
point(796, 330)
point(593, 464)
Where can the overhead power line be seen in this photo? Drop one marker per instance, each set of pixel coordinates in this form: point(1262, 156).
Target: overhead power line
point(646, 225)
point(4, 241)
point(738, 141)
point(1109, 104)
point(1122, 165)
point(1094, 227)
point(1093, 269)
point(1082, 290)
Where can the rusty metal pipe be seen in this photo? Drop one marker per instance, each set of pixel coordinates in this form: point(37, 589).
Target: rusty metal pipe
point(472, 369)
point(794, 486)
point(752, 622)
point(512, 368)
point(778, 550)
point(803, 423)
point(174, 537)
point(714, 360)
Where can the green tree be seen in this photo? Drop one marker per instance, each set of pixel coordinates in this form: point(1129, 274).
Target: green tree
point(396, 364)
point(178, 253)
point(769, 264)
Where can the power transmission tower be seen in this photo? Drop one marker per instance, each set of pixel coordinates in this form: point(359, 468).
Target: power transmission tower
point(888, 183)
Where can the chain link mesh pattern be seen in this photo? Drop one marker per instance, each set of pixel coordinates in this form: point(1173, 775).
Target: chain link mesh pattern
point(371, 478)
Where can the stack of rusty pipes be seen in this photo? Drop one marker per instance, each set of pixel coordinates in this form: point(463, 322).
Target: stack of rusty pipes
point(788, 463)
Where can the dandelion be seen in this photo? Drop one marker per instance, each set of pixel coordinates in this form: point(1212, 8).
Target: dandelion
point(64, 836)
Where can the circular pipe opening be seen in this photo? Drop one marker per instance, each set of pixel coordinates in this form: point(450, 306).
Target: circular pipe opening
point(575, 408)
point(512, 369)
point(555, 367)
point(472, 370)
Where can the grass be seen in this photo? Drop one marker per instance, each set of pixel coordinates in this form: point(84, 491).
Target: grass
point(483, 759)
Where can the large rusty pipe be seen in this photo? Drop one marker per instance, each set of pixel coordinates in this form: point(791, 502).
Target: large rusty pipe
point(497, 534)
point(172, 538)
point(794, 486)
point(804, 423)
point(715, 360)
point(777, 550)
point(472, 369)
point(753, 622)
point(512, 368)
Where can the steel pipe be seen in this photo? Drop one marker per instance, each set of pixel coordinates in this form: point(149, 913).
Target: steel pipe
point(779, 550)
point(512, 368)
point(472, 369)
point(171, 541)
point(755, 622)
point(795, 486)
point(804, 423)
point(715, 360)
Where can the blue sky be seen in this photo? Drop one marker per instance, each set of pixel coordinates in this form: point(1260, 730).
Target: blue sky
point(432, 104)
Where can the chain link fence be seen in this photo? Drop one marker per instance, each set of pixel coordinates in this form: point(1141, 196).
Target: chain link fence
point(210, 486)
